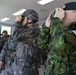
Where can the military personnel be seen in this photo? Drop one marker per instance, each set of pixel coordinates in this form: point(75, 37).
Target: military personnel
point(57, 37)
point(25, 33)
point(7, 55)
point(3, 39)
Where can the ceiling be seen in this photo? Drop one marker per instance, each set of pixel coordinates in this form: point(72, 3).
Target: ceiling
point(8, 7)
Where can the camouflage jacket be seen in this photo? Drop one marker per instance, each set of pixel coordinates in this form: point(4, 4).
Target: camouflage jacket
point(8, 52)
point(26, 48)
point(61, 43)
point(3, 39)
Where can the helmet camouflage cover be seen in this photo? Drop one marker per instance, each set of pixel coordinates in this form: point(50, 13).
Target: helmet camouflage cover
point(31, 14)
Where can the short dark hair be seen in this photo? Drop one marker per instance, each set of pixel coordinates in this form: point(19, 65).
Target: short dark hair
point(5, 31)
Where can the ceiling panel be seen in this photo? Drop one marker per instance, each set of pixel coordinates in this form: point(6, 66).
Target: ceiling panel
point(8, 7)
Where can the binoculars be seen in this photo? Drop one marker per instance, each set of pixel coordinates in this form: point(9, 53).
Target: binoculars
point(52, 15)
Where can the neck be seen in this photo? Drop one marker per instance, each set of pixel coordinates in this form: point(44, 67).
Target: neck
point(66, 24)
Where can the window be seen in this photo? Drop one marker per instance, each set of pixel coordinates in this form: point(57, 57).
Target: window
point(6, 28)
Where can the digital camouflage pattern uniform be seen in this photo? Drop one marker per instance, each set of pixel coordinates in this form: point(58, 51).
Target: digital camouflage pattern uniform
point(61, 43)
point(26, 49)
point(7, 55)
point(20, 52)
point(3, 39)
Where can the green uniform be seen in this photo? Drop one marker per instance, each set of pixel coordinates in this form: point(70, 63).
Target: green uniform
point(61, 43)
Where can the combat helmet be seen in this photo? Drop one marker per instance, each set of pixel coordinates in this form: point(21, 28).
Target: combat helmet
point(31, 14)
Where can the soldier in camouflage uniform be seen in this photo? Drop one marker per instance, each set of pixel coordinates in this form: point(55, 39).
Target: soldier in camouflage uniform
point(7, 55)
point(57, 36)
point(25, 34)
point(3, 39)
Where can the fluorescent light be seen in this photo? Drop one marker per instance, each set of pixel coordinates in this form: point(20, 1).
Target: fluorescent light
point(5, 19)
point(43, 2)
point(19, 12)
